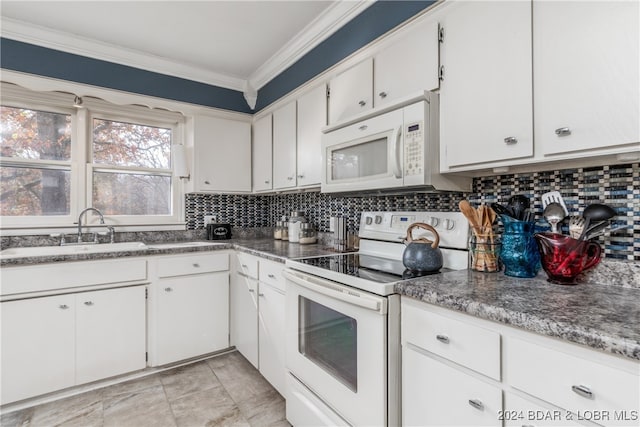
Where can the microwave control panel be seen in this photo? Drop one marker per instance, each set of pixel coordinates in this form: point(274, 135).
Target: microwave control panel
point(414, 149)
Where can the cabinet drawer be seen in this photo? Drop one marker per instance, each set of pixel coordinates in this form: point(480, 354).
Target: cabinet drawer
point(472, 346)
point(48, 277)
point(565, 379)
point(271, 272)
point(248, 265)
point(192, 264)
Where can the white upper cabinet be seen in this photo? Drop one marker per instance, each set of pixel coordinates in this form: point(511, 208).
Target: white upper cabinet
point(586, 75)
point(312, 117)
point(222, 155)
point(486, 96)
point(262, 154)
point(284, 146)
point(351, 92)
point(408, 65)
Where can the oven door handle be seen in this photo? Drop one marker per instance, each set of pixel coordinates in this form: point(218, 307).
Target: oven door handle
point(333, 290)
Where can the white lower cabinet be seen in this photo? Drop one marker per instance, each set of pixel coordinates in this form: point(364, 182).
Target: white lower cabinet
point(189, 300)
point(258, 316)
point(437, 394)
point(50, 343)
point(544, 381)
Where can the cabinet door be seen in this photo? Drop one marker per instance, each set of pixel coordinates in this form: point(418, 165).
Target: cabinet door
point(38, 341)
point(351, 92)
point(435, 394)
point(312, 117)
point(407, 66)
point(284, 146)
point(110, 333)
point(271, 335)
point(262, 152)
point(586, 74)
point(244, 310)
point(192, 316)
point(519, 412)
point(222, 154)
point(486, 96)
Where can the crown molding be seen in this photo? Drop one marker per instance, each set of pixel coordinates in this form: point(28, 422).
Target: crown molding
point(327, 23)
point(58, 40)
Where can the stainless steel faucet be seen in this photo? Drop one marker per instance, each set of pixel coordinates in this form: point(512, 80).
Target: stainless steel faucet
point(80, 221)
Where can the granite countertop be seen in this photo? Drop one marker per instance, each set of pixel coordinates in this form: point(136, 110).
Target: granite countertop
point(275, 250)
point(604, 317)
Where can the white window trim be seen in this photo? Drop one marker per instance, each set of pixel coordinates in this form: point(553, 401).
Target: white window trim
point(81, 168)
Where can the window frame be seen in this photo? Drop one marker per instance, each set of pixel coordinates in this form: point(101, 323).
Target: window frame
point(81, 162)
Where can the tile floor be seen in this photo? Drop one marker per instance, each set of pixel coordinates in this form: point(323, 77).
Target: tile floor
point(222, 391)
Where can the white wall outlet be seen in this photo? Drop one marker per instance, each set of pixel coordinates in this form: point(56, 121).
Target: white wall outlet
point(208, 219)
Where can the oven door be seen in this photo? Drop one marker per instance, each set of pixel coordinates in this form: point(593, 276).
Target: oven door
point(336, 346)
point(364, 156)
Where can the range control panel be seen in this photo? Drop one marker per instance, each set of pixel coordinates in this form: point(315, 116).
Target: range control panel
point(452, 227)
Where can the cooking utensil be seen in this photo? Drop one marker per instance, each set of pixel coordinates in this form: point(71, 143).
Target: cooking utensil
point(518, 204)
point(576, 226)
point(554, 197)
point(554, 213)
point(604, 231)
point(499, 209)
point(470, 213)
point(599, 212)
point(422, 254)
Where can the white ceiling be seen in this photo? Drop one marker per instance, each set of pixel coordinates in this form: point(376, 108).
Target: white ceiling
point(236, 44)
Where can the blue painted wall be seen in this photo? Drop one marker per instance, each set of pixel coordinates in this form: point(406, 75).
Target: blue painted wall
point(369, 25)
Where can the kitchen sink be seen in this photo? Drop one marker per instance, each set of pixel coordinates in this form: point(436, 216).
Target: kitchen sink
point(71, 249)
point(181, 245)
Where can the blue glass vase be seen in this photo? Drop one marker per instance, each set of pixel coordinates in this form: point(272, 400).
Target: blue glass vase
point(519, 251)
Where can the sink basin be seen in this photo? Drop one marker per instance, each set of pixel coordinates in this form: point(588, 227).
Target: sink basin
point(181, 245)
point(71, 249)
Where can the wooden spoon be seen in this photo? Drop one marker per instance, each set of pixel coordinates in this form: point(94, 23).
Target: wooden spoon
point(470, 213)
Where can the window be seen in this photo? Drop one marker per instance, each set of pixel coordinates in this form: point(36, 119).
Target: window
point(57, 160)
point(131, 168)
point(35, 178)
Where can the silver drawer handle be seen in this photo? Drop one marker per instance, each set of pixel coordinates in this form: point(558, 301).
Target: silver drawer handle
point(63, 306)
point(362, 103)
point(261, 295)
point(476, 404)
point(244, 265)
point(563, 131)
point(196, 265)
point(582, 391)
point(89, 303)
point(207, 182)
point(251, 290)
point(300, 176)
point(443, 338)
point(168, 289)
point(266, 182)
point(290, 178)
point(271, 276)
point(383, 94)
point(363, 127)
point(511, 140)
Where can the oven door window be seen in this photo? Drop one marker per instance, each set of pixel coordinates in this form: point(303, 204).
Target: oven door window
point(330, 340)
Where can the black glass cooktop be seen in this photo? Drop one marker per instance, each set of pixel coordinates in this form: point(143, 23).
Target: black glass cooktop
point(368, 267)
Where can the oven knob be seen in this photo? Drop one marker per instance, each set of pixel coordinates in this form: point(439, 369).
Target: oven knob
point(434, 221)
point(368, 220)
point(378, 219)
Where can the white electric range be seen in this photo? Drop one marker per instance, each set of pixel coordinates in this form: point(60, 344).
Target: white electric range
point(343, 322)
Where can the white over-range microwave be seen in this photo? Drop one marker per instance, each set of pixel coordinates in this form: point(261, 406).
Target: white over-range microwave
point(393, 150)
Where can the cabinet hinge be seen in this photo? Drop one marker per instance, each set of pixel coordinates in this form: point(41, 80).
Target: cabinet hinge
point(146, 356)
point(441, 73)
point(328, 92)
point(146, 293)
point(440, 33)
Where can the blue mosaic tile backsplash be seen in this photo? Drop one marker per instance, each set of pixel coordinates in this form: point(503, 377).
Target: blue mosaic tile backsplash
point(617, 185)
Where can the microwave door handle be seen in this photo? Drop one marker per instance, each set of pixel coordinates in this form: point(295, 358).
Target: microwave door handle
point(396, 150)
